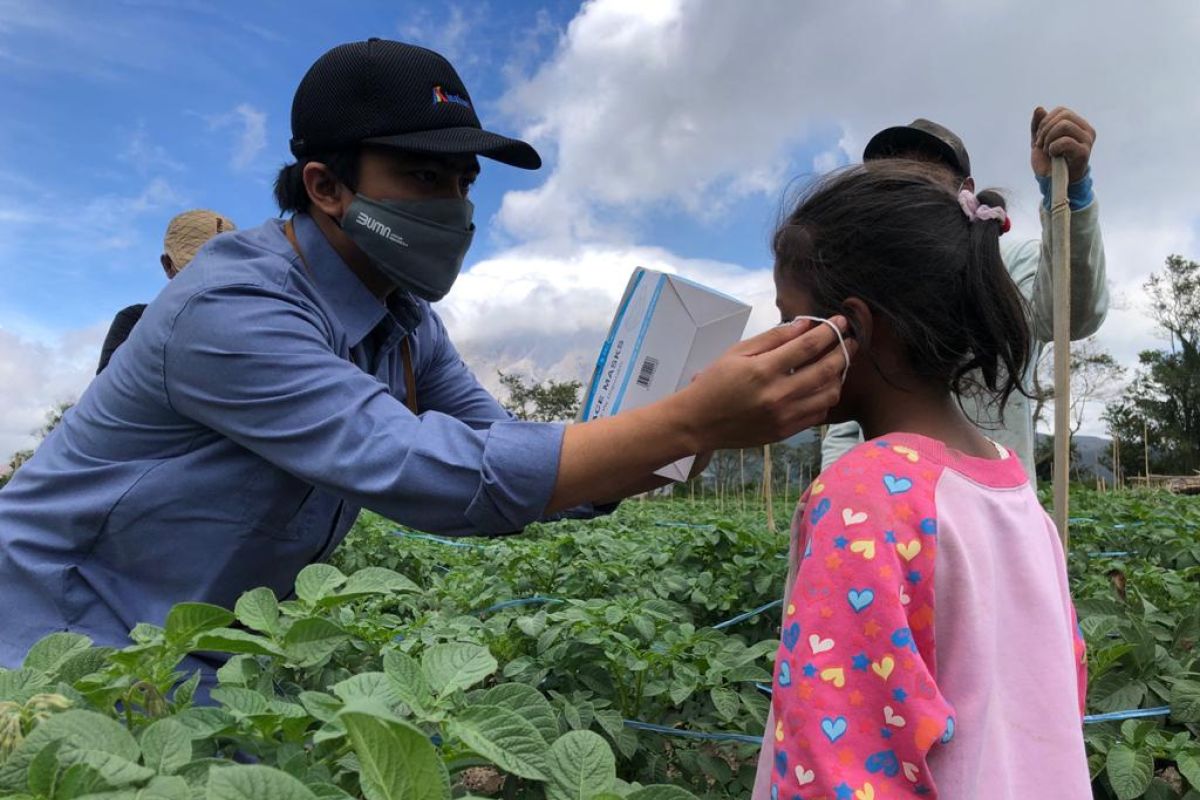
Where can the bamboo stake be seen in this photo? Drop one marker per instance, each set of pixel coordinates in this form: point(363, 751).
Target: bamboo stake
point(1117, 482)
point(1060, 228)
point(1146, 444)
point(787, 485)
point(741, 479)
point(767, 488)
point(1114, 461)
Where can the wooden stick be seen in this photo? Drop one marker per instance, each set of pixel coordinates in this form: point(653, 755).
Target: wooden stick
point(1114, 460)
point(741, 479)
point(768, 495)
point(1146, 444)
point(1060, 240)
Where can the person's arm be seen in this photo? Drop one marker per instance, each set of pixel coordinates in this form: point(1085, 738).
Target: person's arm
point(448, 386)
point(1063, 132)
point(855, 699)
point(118, 332)
point(762, 390)
point(255, 365)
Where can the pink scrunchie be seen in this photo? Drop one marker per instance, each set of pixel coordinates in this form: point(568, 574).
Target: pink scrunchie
point(974, 211)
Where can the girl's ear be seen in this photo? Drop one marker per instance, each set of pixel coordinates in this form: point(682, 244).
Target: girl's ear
point(862, 321)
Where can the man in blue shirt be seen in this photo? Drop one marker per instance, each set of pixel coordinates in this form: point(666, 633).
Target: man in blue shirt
point(295, 373)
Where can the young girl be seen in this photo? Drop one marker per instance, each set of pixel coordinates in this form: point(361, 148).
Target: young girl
point(929, 645)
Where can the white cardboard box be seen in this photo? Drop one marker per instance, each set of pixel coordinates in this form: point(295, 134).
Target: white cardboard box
point(666, 330)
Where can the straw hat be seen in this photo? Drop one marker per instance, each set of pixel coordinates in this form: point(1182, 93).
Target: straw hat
point(188, 232)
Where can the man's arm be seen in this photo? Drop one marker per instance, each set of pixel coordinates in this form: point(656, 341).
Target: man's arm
point(764, 389)
point(254, 365)
point(448, 386)
point(1063, 132)
point(586, 448)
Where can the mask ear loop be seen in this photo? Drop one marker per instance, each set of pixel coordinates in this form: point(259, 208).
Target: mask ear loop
point(837, 332)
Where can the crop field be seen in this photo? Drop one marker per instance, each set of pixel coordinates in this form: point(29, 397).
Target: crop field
point(628, 657)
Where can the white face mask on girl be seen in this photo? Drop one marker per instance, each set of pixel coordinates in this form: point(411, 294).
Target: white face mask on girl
point(837, 332)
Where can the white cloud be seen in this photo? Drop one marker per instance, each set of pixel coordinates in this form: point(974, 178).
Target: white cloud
point(693, 104)
point(250, 128)
point(683, 100)
point(145, 156)
point(109, 218)
point(48, 371)
point(445, 31)
point(546, 314)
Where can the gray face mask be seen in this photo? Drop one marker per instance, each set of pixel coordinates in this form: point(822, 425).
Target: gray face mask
point(418, 244)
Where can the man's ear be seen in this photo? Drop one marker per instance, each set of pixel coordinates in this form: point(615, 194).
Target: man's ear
point(168, 266)
point(325, 191)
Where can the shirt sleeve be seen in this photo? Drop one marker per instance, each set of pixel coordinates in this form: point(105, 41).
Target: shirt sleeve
point(448, 386)
point(840, 438)
point(856, 704)
point(255, 365)
point(451, 388)
point(1031, 268)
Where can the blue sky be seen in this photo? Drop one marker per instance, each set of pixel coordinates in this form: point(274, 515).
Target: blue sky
point(672, 131)
point(120, 115)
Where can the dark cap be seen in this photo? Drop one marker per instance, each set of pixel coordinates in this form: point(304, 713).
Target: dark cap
point(921, 136)
point(391, 93)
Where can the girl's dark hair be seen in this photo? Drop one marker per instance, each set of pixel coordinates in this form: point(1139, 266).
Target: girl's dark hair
point(892, 233)
point(290, 194)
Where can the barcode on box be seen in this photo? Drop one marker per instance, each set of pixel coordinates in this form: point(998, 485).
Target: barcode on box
point(647, 373)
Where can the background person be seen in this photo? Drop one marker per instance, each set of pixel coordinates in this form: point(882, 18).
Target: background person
point(186, 234)
point(1060, 132)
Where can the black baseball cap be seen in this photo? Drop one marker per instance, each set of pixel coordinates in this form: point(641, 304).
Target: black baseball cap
point(396, 94)
point(921, 136)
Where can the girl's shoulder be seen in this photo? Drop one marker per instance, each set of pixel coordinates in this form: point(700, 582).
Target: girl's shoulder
point(911, 460)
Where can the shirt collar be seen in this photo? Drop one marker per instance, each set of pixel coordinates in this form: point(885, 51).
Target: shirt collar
point(356, 307)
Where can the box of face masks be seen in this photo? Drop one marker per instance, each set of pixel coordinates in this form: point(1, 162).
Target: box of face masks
point(666, 330)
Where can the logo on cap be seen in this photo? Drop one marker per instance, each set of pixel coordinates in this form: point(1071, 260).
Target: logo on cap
point(440, 95)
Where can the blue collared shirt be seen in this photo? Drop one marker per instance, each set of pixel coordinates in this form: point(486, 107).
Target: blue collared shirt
point(233, 438)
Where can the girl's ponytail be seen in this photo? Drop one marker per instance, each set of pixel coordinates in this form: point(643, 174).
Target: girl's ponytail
point(992, 307)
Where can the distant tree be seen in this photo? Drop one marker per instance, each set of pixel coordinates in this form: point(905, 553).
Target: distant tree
point(1160, 412)
point(545, 401)
point(53, 417)
point(1095, 377)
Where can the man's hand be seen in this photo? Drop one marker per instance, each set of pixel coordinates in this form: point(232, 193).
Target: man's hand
point(1060, 132)
point(762, 390)
point(766, 388)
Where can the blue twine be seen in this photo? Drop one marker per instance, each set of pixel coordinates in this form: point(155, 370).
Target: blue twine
point(674, 524)
point(522, 601)
point(720, 736)
point(686, 734)
point(1137, 713)
point(438, 539)
point(747, 615)
point(1090, 719)
point(1110, 554)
